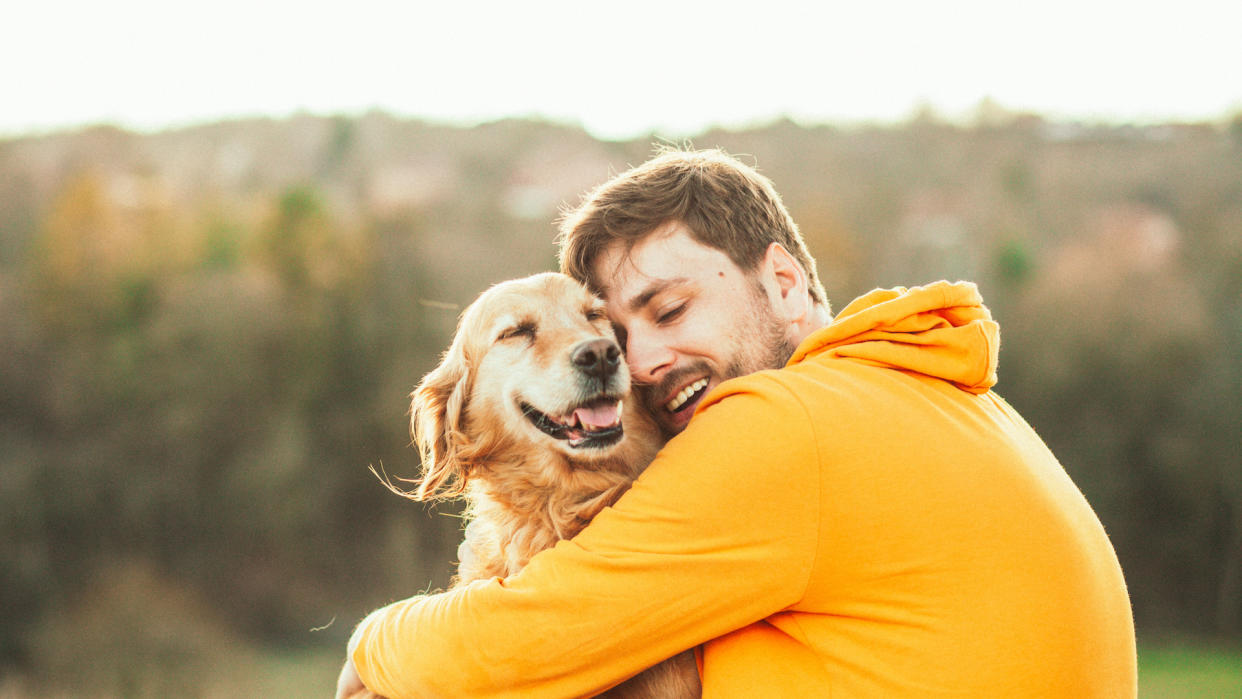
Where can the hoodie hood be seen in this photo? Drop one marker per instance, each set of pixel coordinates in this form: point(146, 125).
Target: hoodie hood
point(941, 330)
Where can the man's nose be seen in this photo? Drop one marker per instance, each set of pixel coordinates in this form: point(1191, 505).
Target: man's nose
point(647, 358)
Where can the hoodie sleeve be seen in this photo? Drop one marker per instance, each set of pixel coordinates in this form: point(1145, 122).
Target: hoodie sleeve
point(719, 532)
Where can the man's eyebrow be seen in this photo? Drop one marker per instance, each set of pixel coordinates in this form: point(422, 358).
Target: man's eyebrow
point(644, 297)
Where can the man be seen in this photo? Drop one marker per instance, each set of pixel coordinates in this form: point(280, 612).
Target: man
point(851, 511)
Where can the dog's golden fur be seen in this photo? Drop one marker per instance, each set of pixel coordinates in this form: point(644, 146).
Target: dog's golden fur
point(520, 418)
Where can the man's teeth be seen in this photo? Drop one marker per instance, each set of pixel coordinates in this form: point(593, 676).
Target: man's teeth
point(681, 398)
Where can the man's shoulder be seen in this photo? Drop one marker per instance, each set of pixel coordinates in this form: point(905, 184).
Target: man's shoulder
point(754, 426)
point(796, 383)
point(822, 400)
point(755, 402)
point(769, 384)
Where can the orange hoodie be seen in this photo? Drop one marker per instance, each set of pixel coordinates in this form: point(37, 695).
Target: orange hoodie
point(869, 521)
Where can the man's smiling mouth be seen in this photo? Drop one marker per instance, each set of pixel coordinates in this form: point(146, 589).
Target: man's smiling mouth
point(685, 395)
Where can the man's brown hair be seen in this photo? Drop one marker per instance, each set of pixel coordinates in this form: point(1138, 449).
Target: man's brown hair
point(726, 204)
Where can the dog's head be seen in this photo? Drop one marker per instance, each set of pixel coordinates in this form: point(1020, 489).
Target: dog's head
point(534, 364)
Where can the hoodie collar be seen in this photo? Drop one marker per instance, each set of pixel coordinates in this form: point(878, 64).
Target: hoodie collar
point(941, 330)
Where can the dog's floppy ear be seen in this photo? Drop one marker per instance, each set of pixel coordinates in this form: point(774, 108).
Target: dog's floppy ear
point(437, 408)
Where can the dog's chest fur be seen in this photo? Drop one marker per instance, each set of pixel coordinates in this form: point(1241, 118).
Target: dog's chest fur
point(517, 512)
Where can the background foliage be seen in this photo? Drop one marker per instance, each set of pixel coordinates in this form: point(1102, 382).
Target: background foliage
point(208, 335)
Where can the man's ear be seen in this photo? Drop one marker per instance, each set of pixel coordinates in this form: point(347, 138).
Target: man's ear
point(790, 281)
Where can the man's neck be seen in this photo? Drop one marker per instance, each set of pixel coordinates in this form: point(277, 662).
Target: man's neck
point(818, 317)
point(821, 316)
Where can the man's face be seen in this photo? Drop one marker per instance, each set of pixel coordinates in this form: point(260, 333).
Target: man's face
point(688, 318)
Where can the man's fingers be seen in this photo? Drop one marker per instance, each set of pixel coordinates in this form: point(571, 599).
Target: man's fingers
point(349, 684)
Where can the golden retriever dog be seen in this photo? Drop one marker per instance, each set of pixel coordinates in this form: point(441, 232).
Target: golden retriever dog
point(526, 418)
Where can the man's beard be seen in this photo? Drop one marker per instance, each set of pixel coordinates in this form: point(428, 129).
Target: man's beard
point(754, 349)
point(769, 347)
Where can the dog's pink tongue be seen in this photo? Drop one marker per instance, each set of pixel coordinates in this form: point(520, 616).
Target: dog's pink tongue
point(598, 417)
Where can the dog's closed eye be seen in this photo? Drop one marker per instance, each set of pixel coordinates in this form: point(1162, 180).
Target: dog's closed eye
point(525, 329)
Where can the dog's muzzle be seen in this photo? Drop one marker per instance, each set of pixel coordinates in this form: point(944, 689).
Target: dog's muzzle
point(596, 423)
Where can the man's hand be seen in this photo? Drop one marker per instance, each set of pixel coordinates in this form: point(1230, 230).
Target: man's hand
point(349, 683)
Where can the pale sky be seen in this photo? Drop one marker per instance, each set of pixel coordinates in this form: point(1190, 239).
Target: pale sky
point(619, 69)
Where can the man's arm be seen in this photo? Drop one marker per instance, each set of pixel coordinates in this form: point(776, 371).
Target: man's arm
point(719, 532)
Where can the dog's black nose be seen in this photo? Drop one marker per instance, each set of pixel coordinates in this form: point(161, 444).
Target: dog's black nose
point(599, 358)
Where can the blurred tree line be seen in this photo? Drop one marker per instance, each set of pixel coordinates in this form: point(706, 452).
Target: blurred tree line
point(208, 336)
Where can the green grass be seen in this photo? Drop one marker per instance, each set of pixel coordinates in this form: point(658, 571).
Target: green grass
point(233, 672)
point(1189, 670)
point(310, 673)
